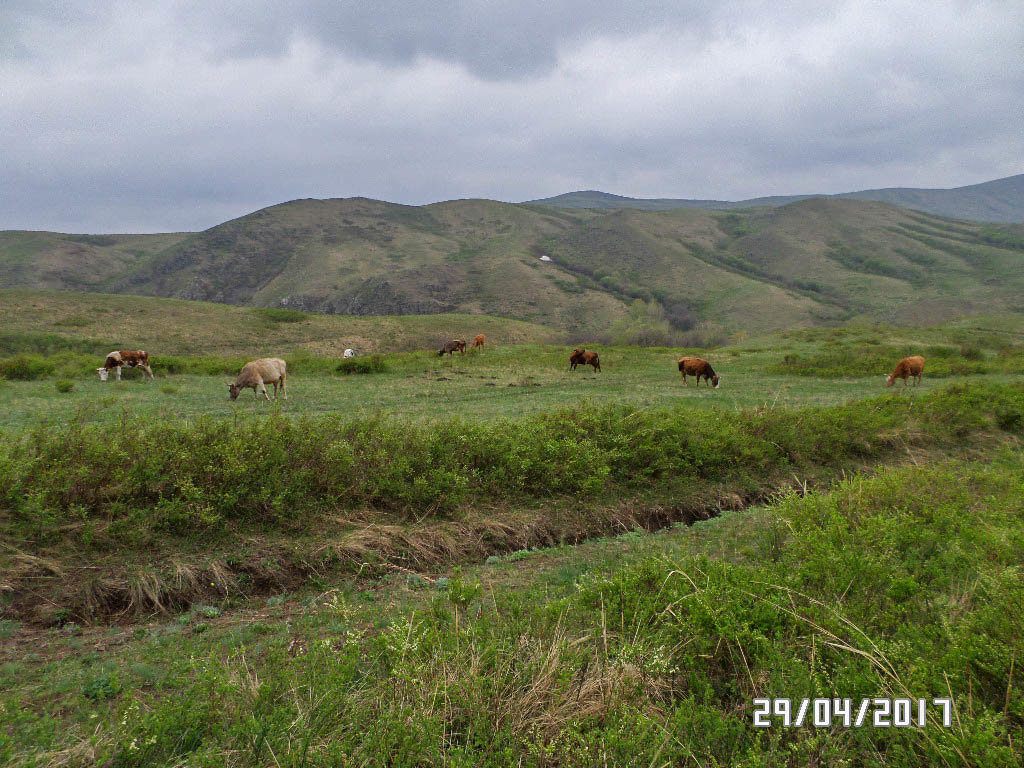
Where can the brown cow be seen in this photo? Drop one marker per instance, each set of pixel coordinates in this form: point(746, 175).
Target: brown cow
point(912, 366)
point(259, 373)
point(478, 341)
point(698, 367)
point(453, 346)
point(582, 357)
point(133, 358)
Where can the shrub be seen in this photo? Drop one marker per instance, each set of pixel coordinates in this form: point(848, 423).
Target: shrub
point(371, 364)
point(64, 385)
point(25, 368)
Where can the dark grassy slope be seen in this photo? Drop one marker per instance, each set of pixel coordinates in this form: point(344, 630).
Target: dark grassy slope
point(814, 262)
point(998, 200)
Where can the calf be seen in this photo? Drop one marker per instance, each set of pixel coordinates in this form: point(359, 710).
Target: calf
point(582, 357)
point(912, 366)
point(698, 367)
point(454, 345)
point(133, 358)
point(259, 373)
point(478, 341)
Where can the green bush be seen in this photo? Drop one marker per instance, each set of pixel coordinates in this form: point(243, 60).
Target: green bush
point(371, 364)
point(64, 385)
point(26, 368)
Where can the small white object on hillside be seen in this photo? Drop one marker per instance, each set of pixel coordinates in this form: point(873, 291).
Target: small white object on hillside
point(545, 258)
point(349, 353)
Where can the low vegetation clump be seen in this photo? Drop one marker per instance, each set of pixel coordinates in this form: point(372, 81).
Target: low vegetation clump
point(64, 385)
point(38, 343)
point(371, 364)
point(26, 368)
point(281, 315)
point(903, 585)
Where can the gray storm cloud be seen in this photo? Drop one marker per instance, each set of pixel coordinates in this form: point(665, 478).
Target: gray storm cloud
point(177, 115)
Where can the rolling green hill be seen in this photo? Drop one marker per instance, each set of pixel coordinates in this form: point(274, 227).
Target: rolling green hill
point(813, 262)
point(998, 200)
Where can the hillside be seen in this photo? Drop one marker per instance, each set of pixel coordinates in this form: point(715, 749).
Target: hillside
point(1000, 200)
point(178, 327)
point(813, 262)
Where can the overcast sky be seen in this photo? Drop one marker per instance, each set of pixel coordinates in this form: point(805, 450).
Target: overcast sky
point(175, 115)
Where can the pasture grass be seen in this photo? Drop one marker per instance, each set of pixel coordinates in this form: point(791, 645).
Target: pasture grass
point(644, 649)
point(504, 381)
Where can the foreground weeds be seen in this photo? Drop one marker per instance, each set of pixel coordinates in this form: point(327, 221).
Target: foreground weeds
point(904, 584)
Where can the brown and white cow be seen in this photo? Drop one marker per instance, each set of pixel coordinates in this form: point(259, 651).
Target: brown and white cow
point(259, 373)
point(912, 366)
point(695, 366)
point(478, 341)
point(582, 357)
point(116, 360)
point(455, 345)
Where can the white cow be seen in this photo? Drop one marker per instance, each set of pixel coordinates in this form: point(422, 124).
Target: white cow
point(349, 353)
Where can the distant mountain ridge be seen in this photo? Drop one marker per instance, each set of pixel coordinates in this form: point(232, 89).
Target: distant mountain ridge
point(820, 261)
point(1001, 200)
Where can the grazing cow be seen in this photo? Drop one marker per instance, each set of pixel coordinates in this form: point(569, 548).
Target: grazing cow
point(478, 341)
point(259, 373)
point(349, 353)
point(698, 367)
point(582, 357)
point(133, 358)
point(909, 366)
point(454, 345)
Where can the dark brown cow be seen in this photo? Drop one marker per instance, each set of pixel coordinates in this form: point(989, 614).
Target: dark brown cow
point(454, 345)
point(582, 357)
point(478, 341)
point(133, 358)
point(695, 366)
point(909, 366)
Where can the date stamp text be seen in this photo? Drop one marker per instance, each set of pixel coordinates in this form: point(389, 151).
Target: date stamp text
point(850, 713)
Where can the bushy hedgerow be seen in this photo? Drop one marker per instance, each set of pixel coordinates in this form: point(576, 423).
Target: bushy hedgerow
point(274, 469)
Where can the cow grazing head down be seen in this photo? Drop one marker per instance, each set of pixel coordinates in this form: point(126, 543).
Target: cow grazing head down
point(233, 390)
point(714, 380)
point(103, 372)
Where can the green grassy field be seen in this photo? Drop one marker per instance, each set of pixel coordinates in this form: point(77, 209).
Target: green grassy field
point(417, 567)
point(502, 382)
point(510, 380)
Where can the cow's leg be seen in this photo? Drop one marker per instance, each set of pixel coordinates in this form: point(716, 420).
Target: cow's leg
point(284, 392)
point(263, 388)
point(148, 370)
point(118, 369)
